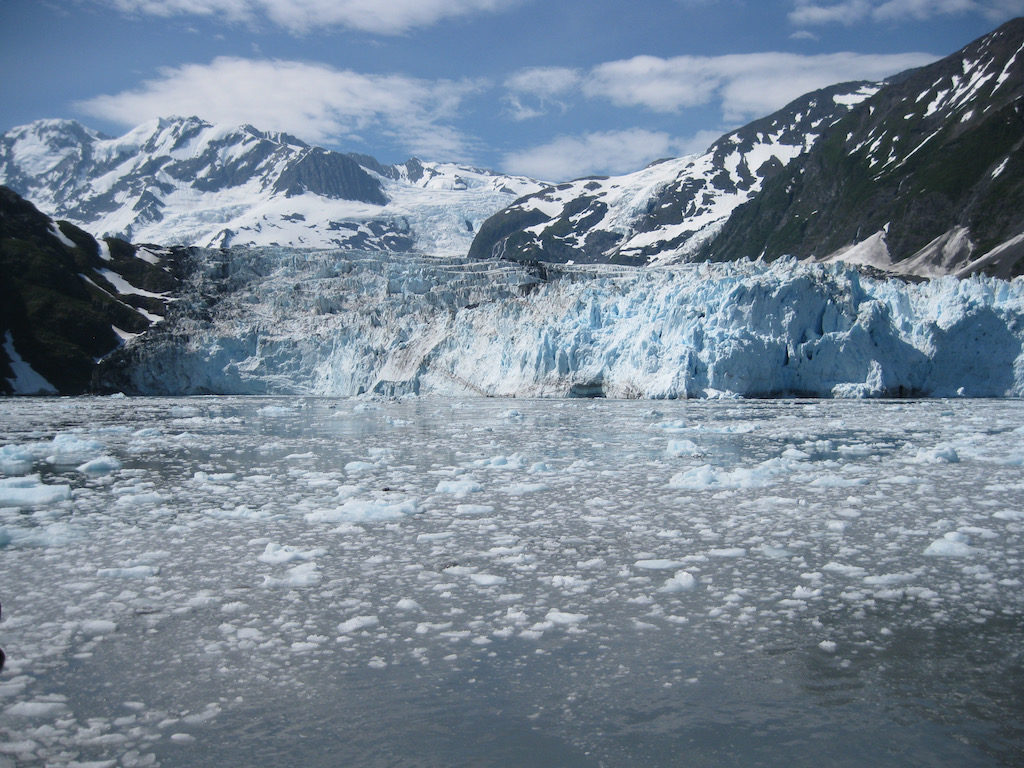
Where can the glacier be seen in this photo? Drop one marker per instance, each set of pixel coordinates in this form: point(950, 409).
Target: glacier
point(338, 323)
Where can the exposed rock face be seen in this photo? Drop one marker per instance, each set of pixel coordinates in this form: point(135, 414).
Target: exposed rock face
point(67, 299)
point(926, 177)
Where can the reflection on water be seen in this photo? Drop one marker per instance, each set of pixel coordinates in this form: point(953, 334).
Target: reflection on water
point(271, 581)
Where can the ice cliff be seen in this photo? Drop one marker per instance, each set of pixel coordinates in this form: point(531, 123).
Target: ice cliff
point(338, 323)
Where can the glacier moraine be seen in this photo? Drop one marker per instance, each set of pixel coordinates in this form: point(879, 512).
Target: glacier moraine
point(300, 581)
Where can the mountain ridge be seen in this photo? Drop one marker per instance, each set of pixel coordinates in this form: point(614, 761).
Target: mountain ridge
point(947, 141)
point(185, 181)
point(926, 177)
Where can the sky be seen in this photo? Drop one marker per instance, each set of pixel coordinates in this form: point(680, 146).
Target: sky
point(553, 89)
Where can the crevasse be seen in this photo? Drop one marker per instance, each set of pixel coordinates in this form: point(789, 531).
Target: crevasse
point(334, 323)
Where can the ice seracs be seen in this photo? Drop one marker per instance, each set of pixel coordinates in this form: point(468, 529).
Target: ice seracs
point(335, 323)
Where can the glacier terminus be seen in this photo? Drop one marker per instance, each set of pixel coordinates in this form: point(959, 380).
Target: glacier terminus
point(278, 321)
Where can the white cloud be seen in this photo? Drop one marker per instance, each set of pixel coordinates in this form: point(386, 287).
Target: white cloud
point(748, 85)
point(385, 17)
point(811, 12)
point(313, 101)
point(545, 82)
point(610, 152)
point(534, 91)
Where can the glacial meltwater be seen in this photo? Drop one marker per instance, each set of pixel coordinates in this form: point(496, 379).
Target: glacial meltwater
point(484, 582)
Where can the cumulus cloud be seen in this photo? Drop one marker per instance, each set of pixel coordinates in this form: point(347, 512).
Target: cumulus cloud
point(316, 102)
point(747, 85)
point(608, 152)
point(812, 12)
point(385, 17)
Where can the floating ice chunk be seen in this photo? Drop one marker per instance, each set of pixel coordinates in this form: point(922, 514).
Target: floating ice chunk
point(565, 619)
point(682, 448)
point(657, 565)
point(302, 575)
point(140, 499)
point(101, 465)
point(805, 593)
point(706, 477)
point(953, 544)
point(98, 627)
point(939, 454)
point(360, 510)
point(15, 459)
point(358, 467)
point(459, 488)
point(487, 579)
point(514, 461)
point(473, 510)
point(275, 410)
point(828, 646)
point(521, 489)
point(408, 604)
point(1009, 514)
point(357, 623)
point(37, 709)
point(852, 571)
point(275, 554)
point(683, 581)
point(130, 572)
point(728, 552)
point(832, 480)
point(69, 449)
point(795, 454)
point(30, 491)
point(438, 536)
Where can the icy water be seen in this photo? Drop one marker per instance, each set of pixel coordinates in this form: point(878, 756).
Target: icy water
point(278, 582)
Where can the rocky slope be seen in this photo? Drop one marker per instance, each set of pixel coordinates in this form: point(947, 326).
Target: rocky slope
point(926, 177)
point(667, 210)
point(67, 299)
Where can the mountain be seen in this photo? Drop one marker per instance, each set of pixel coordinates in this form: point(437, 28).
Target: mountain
point(183, 181)
point(67, 299)
point(919, 175)
point(670, 208)
point(926, 177)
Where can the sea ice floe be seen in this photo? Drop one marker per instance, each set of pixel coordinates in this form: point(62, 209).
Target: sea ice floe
point(101, 465)
point(301, 575)
point(952, 544)
point(16, 459)
point(458, 488)
point(358, 623)
point(70, 449)
point(275, 554)
point(362, 510)
point(683, 581)
point(30, 491)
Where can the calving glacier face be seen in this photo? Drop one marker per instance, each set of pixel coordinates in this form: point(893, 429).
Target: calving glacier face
point(277, 321)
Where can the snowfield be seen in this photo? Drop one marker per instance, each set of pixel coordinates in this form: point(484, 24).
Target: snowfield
point(336, 323)
point(213, 581)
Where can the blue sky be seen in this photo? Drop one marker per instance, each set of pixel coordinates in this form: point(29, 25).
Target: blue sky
point(549, 88)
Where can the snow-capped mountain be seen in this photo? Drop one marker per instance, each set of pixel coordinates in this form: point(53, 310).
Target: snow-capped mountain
point(667, 210)
point(183, 181)
point(926, 177)
point(922, 175)
point(67, 299)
